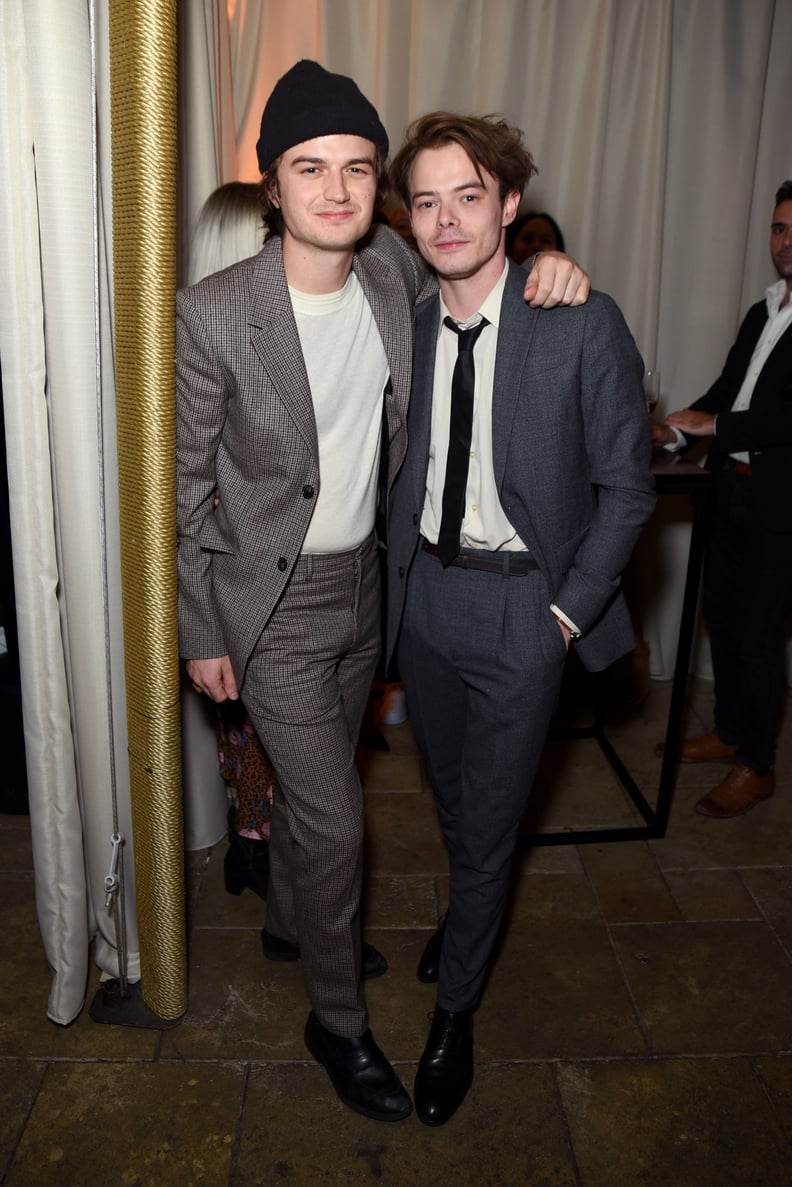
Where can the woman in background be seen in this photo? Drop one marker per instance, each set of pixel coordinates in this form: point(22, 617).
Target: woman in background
point(532, 232)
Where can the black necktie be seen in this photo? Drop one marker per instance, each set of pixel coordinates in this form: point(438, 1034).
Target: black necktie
point(460, 431)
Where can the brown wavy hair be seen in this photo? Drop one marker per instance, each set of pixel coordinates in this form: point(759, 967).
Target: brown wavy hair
point(491, 143)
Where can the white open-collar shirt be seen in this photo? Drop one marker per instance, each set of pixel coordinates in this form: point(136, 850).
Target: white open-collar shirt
point(484, 523)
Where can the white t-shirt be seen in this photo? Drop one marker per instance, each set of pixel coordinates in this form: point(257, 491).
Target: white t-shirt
point(347, 370)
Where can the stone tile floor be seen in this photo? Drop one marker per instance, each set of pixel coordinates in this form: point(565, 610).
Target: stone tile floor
point(636, 1029)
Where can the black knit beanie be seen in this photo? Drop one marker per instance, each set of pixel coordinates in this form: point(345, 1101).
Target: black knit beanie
point(309, 101)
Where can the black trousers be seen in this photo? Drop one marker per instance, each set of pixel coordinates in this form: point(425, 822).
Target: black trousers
point(746, 599)
point(481, 657)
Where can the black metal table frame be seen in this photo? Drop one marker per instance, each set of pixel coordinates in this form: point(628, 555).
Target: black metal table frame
point(670, 478)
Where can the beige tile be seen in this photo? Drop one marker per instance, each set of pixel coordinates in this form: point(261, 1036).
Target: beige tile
point(402, 835)
point(711, 894)
point(537, 897)
point(760, 838)
point(560, 993)
point(548, 859)
point(391, 900)
point(705, 988)
point(381, 771)
point(509, 1130)
point(19, 1083)
point(215, 907)
point(241, 1005)
point(400, 738)
point(687, 1123)
point(771, 890)
point(128, 1123)
point(25, 985)
point(776, 1075)
point(562, 799)
point(714, 986)
point(16, 854)
point(628, 883)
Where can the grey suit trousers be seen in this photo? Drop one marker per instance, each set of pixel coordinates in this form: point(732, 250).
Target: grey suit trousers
point(481, 657)
point(306, 689)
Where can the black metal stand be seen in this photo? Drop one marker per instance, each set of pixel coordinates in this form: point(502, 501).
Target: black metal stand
point(671, 478)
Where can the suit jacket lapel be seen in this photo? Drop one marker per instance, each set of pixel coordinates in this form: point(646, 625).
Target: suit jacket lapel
point(419, 422)
point(374, 279)
point(515, 332)
point(274, 338)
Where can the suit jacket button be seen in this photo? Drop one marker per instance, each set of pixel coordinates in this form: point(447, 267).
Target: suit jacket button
point(415, 519)
point(282, 564)
point(401, 570)
point(308, 491)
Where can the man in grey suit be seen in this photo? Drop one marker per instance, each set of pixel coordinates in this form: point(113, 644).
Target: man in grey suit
point(489, 582)
point(292, 368)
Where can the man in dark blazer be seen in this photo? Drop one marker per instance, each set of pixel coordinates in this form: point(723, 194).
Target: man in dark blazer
point(747, 593)
point(292, 368)
point(558, 489)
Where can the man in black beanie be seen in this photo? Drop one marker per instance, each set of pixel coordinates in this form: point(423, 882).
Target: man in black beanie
point(293, 378)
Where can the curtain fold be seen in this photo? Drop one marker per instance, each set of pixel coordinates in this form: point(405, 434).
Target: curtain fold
point(53, 319)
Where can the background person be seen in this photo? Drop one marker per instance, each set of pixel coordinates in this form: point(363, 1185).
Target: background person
point(747, 593)
point(535, 231)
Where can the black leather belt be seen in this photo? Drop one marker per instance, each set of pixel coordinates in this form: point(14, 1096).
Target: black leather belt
point(508, 564)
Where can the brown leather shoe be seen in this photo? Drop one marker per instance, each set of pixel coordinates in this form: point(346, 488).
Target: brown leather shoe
point(704, 748)
point(742, 789)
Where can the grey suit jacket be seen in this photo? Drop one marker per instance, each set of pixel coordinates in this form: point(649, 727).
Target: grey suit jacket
point(246, 428)
point(571, 452)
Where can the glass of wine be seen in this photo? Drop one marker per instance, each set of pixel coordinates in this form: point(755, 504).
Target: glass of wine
point(651, 385)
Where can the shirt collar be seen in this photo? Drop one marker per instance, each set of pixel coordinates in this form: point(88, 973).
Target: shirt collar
point(774, 295)
point(490, 307)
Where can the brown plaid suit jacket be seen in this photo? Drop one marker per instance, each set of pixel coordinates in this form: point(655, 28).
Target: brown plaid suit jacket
point(245, 427)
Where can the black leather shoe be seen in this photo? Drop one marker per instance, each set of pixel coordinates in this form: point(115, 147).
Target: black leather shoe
point(445, 1070)
point(373, 962)
point(246, 865)
point(429, 964)
point(361, 1075)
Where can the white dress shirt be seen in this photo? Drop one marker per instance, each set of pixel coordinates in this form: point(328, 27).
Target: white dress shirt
point(484, 522)
point(777, 322)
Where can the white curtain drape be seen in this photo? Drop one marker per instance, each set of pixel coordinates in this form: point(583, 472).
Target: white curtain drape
point(660, 128)
point(56, 355)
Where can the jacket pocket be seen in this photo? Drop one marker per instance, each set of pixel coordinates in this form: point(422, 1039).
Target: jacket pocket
point(212, 539)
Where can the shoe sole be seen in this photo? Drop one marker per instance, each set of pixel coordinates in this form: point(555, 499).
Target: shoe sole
point(373, 1114)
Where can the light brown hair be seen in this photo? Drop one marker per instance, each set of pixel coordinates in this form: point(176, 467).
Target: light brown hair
point(491, 143)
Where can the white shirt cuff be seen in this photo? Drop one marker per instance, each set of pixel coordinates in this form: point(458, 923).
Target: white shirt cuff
point(567, 621)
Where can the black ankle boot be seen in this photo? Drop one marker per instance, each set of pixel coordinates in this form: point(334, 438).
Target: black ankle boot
point(246, 865)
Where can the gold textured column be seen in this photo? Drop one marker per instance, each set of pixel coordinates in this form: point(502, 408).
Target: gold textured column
point(143, 97)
